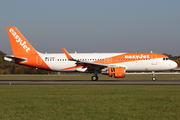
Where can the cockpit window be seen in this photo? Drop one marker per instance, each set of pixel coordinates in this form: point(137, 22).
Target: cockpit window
point(166, 59)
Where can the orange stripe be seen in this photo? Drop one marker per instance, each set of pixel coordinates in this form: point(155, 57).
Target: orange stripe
point(129, 57)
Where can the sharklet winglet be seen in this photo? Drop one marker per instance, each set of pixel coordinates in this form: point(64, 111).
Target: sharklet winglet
point(67, 55)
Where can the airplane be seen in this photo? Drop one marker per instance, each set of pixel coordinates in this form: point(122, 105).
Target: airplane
point(113, 64)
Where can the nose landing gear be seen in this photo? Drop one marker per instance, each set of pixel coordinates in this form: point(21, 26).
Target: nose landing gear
point(153, 76)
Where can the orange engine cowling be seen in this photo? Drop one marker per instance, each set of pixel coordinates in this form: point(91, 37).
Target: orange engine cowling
point(117, 72)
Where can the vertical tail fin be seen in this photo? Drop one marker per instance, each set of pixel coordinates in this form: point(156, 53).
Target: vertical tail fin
point(23, 52)
point(20, 46)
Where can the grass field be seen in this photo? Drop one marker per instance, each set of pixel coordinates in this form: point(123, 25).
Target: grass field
point(93, 102)
point(88, 77)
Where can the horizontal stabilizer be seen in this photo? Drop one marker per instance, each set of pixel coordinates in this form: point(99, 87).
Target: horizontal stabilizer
point(13, 59)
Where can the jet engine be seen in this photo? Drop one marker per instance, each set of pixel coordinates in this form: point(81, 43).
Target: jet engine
point(116, 72)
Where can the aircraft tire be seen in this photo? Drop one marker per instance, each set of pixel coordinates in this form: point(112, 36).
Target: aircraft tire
point(153, 78)
point(94, 78)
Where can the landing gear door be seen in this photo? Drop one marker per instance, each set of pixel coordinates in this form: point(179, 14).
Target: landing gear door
point(154, 59)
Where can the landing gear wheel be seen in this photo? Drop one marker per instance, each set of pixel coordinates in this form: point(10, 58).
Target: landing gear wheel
point(94, 78)
point(154, 78)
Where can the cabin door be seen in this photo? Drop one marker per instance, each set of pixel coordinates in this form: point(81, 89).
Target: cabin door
point(154, 59)
point(38, 60)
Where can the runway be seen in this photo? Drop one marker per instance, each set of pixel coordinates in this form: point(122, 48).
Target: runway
point(85, 82)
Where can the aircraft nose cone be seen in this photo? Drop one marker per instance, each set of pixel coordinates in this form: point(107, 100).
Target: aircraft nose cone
point(172, 64)
point(175, 65)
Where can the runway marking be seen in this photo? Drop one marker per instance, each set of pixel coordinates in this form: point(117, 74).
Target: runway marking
point(86, 82)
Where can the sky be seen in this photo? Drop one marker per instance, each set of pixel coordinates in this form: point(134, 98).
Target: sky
point(88, 26)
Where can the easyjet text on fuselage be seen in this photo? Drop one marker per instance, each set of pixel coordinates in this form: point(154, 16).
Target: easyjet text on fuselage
point(137, 56)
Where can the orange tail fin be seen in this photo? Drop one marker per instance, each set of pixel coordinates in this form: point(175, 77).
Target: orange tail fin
point(23, 52)
point(20, 46)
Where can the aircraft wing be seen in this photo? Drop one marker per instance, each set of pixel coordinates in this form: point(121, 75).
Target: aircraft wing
point(86, 64)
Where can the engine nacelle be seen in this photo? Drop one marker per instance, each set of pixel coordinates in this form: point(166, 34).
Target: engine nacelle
point(116, 72)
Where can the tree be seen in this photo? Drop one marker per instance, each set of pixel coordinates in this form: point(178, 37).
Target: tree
point(13, 69)
point(2, 57)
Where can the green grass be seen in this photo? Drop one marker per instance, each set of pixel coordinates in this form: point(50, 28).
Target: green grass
point(88, 77)
point(93, 102)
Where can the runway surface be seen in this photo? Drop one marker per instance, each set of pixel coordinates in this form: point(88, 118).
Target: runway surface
point(85, 82)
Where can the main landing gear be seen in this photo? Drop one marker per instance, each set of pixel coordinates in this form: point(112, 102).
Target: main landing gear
point(94, 78)
point(153, 76)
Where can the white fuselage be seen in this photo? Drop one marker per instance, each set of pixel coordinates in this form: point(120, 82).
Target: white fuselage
point(59, 62)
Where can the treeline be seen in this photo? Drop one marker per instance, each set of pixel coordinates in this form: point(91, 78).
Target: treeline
point(12, 68)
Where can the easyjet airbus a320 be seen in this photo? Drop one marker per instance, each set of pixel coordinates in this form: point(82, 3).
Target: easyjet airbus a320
point(112, 64)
